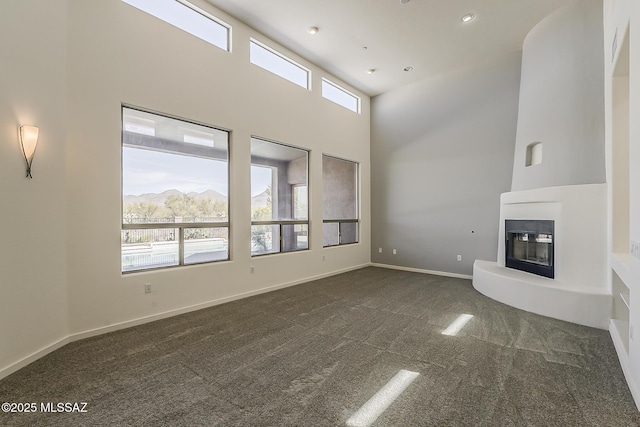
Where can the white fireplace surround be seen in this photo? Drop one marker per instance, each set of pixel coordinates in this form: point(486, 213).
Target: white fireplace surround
point(580, 292)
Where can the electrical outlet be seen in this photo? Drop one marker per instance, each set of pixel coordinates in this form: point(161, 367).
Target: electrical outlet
point(322, 257)
point(147, 288)
point(459, 257)
point(395, 252)
point(379, 250)
point(252, 270)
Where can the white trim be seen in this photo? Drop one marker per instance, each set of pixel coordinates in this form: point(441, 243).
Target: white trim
point(16, 366)
point(148, 6)
point(420, 270)
point(207, 15)
point(284, 58)
point(5, 372)
point(623, 357)
point(196, 307)
point(340, 88)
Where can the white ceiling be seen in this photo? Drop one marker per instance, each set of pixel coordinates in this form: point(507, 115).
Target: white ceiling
point(425, 34)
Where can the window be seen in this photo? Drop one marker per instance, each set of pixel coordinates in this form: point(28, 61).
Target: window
point(340, 96)
point(189, 18)
point(279, 195)
point(270, 60)
point(175, 186)
point(340, 201)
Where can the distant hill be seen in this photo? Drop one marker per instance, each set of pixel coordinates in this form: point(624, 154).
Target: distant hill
point(258, 200)
point(156, 198)
point(211, 194)
point(159, 198)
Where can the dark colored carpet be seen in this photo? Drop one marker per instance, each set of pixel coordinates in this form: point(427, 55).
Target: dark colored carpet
point(312, 354)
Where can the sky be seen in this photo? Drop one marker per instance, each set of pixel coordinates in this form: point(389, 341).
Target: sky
point(185, 18)
point(146, 171)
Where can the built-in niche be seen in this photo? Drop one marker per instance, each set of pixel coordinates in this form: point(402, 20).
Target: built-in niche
point(620, 153)
point(534, 154)
point(620, 195)
point(621, 308)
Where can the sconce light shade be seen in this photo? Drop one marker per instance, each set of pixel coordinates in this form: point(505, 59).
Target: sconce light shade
point(28, 142)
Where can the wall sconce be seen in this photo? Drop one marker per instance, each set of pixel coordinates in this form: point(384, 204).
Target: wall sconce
point(28, 142)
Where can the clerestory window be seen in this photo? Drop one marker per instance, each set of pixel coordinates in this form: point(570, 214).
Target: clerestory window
point(275, 62)
point(189, 18)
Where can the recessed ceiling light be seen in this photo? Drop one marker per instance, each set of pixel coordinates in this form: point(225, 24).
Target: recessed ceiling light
point(313, 30)
point(468, 17)
point(408, 68)
point(371, 71)
point(404, 1)
point(364, 48)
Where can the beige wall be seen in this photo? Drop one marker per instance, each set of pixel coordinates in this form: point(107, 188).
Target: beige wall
point(33, 274)
point(118, 54)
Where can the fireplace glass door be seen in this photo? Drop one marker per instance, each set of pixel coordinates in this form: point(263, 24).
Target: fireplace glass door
point(529, 246)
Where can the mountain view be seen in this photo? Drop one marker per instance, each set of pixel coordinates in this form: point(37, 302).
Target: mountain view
point(160, 198)
point(203, 206)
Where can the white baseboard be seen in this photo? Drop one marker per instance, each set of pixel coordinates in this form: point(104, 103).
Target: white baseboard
point(16, 366)
point(420, 270)
point(4, 372)
point(176, 312)
point(623, 357)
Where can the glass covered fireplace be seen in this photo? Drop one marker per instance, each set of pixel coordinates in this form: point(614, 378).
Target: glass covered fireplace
point(529, 246)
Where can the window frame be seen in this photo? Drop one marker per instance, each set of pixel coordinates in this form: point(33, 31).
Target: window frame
point(284, 58)
point(181, 226)
point(196, 9)
point(357, 207)
point(293, 195)
point(285, 222)
point(358, 109)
